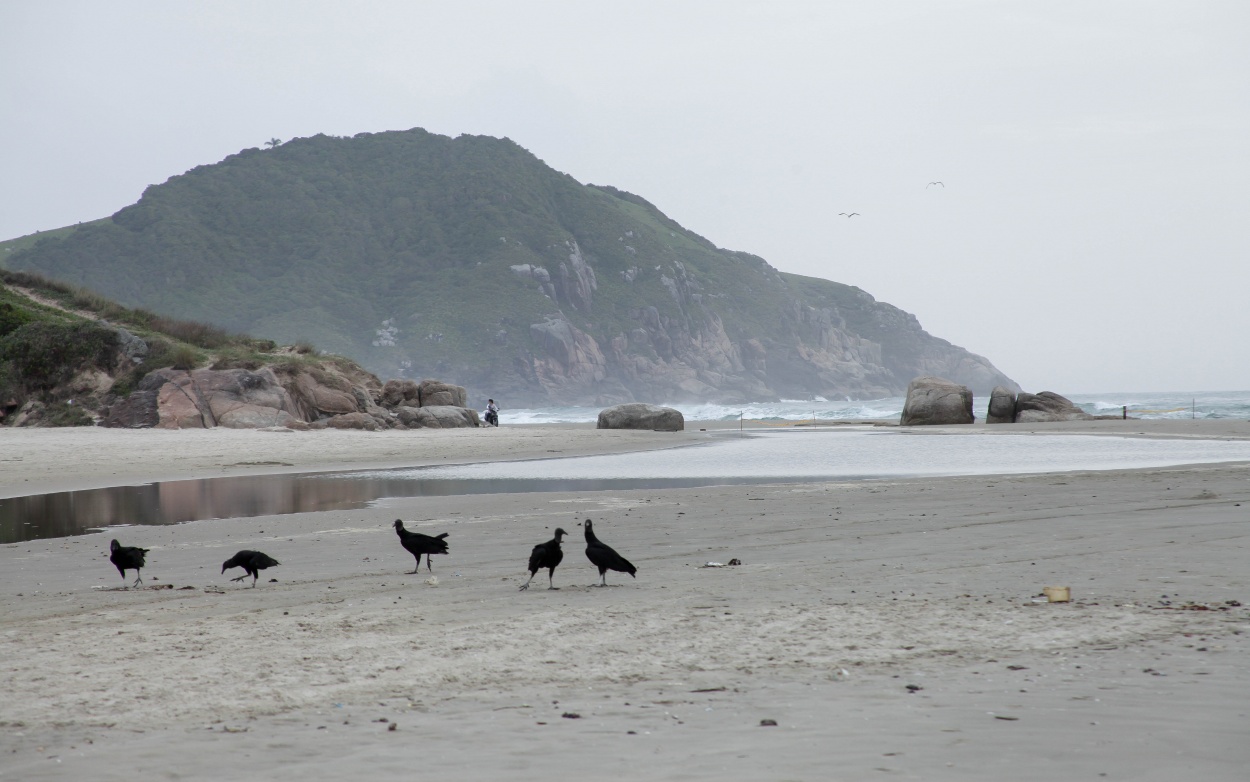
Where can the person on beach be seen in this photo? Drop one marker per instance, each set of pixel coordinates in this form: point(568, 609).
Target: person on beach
point(492, 413)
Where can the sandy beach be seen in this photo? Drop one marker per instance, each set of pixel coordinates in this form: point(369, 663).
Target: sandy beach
point(891, 629)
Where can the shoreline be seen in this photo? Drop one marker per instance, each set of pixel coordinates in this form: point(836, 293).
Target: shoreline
point(43, 461)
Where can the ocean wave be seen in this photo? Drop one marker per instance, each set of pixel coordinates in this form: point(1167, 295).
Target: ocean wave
point(783, 410)
point(1168, 405)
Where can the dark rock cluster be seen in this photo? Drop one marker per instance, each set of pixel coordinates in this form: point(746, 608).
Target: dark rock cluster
point(312, 399)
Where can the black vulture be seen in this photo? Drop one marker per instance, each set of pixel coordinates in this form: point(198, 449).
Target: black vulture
point(546, 555)
point(604, 557)
point(418, 544)
point(127, 558)
point(252, 563)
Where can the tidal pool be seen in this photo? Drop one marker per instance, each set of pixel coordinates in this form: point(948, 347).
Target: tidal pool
point(783, 456)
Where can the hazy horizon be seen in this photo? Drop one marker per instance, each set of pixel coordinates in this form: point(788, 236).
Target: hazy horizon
point(1087, 235)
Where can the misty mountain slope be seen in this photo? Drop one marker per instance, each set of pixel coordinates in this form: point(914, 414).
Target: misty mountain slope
point(470, 260)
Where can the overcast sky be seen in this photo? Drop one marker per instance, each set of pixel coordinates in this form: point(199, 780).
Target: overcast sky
point(1091, 233)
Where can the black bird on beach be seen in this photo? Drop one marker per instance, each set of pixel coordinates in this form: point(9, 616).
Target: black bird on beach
point(252, 563)
point(127, 558)
point(605, 557)
point(546, 555)
point(418, 544)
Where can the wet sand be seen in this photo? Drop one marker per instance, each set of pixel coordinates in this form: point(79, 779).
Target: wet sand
point(848, 593)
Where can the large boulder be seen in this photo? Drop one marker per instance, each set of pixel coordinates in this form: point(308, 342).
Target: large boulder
point(1047, 406)
point(317, 397)
point(398, 393)
point(637, 415)
point(204, 398)
point(1002, 408)
point(935, 401)
point(438, 417)
point(180, 406)
point(243, 399)
point(350, 421)
point(366, 402)
point(137, 411)
point(324, 400)
point(435, 393)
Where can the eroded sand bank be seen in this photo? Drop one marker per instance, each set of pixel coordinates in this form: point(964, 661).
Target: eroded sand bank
point(847, 594)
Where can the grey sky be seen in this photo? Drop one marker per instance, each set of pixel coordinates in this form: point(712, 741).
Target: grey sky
point(1091, 234)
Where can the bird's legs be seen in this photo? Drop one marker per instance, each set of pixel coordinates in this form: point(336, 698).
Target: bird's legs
point(428, 566)
point(526, 585)
point(138, 580)
point(551, 584)
point(240, 578)
point(417, 569)
point(603, 579)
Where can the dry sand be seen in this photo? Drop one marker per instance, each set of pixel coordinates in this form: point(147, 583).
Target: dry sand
point(848, 593)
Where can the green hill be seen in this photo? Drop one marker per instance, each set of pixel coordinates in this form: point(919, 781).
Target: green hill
point(471, 260)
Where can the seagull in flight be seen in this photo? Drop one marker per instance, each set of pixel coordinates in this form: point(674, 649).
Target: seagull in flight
point(844, 214)
point(931, 184)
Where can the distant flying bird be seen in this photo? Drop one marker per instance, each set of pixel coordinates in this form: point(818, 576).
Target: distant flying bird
point(127, 558)
point(418, 544)
point(931, 184)
point(252, 563)
point(844, 214)
point(546, 555)
point(604, 557)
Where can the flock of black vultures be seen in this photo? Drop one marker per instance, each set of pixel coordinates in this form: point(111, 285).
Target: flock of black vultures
point(545, 555)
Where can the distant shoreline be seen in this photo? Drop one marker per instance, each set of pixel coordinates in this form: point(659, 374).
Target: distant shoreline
point(40, 461)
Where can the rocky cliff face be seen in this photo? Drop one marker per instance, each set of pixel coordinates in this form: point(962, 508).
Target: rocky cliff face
point(686, 353)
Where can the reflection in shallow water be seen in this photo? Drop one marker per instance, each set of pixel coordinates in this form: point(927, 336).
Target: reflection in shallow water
point(769, 457)
point(80, 512)
point(76, 512)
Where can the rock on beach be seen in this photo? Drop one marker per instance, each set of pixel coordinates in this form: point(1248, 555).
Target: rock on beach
point(637, 415)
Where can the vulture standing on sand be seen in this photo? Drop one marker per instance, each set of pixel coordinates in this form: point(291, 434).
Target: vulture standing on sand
point(605, 557)
point(418, 544)
point(546, 555)
point(127, 558)
point(252, 563)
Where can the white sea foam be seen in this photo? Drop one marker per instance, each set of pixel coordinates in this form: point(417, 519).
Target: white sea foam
point(1224, 404)
point(782, 410)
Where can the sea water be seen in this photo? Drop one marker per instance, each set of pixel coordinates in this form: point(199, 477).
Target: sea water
point(854, 453)
point(1179, 404)
point(759, 455)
